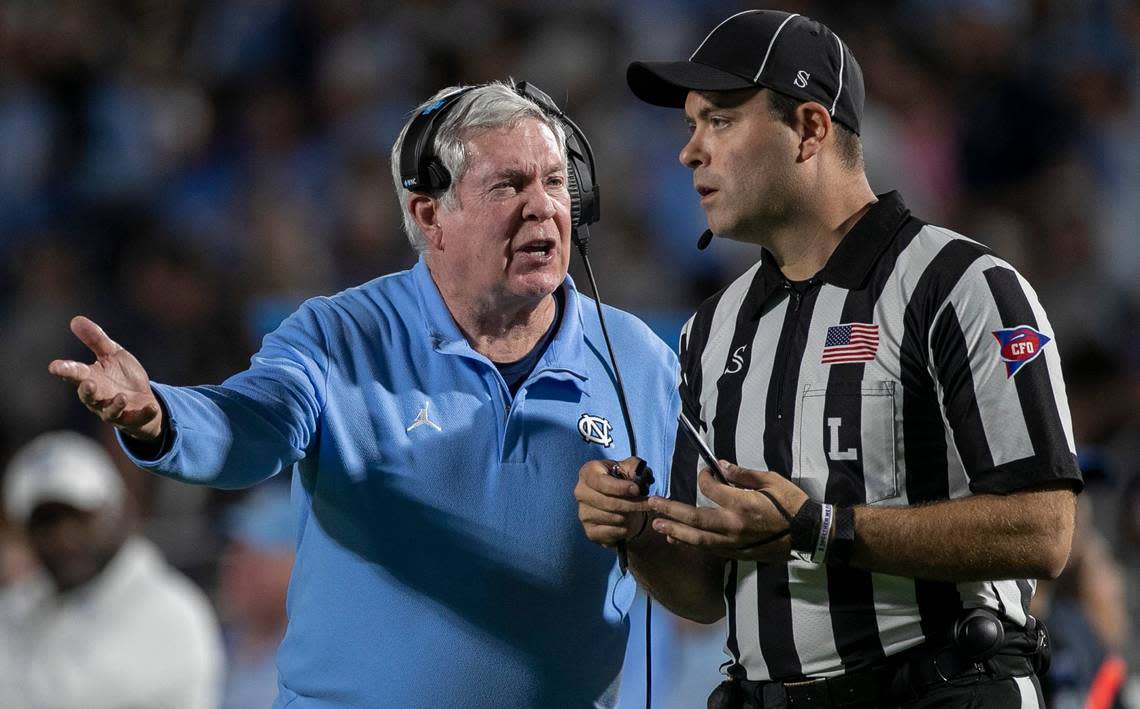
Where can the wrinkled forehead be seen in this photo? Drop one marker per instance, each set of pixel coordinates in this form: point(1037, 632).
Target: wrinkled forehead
point(528, 144)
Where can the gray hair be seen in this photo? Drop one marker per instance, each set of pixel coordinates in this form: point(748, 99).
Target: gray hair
point(493, 105)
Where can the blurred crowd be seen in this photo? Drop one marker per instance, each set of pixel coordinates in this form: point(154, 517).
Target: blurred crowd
point(187, 171)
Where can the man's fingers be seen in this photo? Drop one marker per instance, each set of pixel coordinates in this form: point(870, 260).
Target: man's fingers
point(726, 496)
point(718, 492)
point(98, 402)
point(93, 336)
point(607, 527)
point(69, 370)
point(745, 483)
point(606, 535)
point(611, 503)
point(705, 518)
point(746, 477)
point(86, 392)
point(595, 475)
point(680, 532)
point(592, 515)
point(113, 410)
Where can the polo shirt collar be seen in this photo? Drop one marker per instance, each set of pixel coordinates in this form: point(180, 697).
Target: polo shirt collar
point(860, 249)
point(563, 359)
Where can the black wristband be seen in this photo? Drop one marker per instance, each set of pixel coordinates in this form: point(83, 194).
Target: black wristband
point(805, 527)
point(842, 546)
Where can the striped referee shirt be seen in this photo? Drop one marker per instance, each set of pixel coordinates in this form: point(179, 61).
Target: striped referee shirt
point(915, 367)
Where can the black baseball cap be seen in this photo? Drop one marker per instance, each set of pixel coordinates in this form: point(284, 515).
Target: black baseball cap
point(785, 52)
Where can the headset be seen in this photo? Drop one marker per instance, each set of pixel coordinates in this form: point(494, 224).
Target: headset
point(422, 171)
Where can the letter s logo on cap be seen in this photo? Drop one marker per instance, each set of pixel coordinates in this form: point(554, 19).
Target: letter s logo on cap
point(802, 79)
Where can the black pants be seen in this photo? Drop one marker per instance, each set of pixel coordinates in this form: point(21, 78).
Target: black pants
point(1013, 692)
point(978, 693)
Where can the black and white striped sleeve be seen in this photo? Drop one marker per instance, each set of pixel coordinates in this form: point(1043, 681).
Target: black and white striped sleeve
point(997, 371)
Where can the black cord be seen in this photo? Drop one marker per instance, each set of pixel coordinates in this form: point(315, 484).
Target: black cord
point(582, 249)
point(648, 651)
point(582, 242)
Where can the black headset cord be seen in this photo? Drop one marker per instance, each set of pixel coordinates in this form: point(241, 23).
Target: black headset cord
point(582, 242)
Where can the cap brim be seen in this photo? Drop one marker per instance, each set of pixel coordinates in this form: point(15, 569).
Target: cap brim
point(669, 83)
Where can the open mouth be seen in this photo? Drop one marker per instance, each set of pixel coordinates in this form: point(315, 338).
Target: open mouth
point(538, 248)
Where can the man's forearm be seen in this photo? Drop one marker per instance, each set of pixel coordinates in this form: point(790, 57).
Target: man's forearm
point(685, 580)
point(1022, 535)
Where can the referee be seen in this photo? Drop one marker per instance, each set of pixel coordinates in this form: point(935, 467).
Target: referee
point(887, 398)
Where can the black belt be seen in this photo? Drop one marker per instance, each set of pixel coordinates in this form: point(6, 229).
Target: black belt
point(899, 680)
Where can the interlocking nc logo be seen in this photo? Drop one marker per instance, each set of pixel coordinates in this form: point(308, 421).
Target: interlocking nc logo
point(802, 79)
point(595, 429)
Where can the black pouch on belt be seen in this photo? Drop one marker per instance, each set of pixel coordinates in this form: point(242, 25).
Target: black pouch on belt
point(981, 636)
point(727, 695)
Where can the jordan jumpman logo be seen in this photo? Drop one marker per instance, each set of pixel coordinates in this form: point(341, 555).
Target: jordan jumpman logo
point(422, 419)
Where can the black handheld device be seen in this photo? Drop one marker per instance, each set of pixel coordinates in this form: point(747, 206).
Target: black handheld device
point(702, 448)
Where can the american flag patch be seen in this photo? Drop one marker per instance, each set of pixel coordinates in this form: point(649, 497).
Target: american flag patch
point(853, 342)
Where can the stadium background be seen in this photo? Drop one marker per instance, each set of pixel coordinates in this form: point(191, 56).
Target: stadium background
point(187, 172)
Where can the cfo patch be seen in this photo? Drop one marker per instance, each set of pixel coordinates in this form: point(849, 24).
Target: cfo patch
point(1020, 346)
point(595, 429)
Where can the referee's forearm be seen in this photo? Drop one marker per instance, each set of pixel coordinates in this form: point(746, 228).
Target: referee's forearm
point(685, 580)
point(978, 538)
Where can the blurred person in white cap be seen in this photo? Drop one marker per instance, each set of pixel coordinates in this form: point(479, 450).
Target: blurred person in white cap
point(253, 580)
point(107, 623)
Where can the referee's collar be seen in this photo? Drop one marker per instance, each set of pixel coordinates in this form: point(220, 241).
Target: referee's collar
point(851, 262)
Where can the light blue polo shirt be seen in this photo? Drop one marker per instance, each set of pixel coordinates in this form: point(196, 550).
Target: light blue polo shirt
point(440, 561)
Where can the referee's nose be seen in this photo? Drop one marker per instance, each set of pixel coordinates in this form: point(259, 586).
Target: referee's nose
point(694, 153)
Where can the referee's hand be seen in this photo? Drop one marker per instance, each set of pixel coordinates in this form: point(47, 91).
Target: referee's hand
point(115, 386)
point(745, 526)
point(610, 509)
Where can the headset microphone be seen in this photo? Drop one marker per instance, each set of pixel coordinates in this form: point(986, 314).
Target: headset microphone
point(705, 239)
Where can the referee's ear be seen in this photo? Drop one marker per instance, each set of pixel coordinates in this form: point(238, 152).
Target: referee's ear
point(813, 124)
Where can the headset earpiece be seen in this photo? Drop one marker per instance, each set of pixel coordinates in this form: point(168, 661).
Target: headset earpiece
point(420, 169)
point(573, 186)
point(584, 207)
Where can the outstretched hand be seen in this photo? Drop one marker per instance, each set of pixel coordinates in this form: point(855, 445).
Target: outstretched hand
point(115, 386)
point(748, 525)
